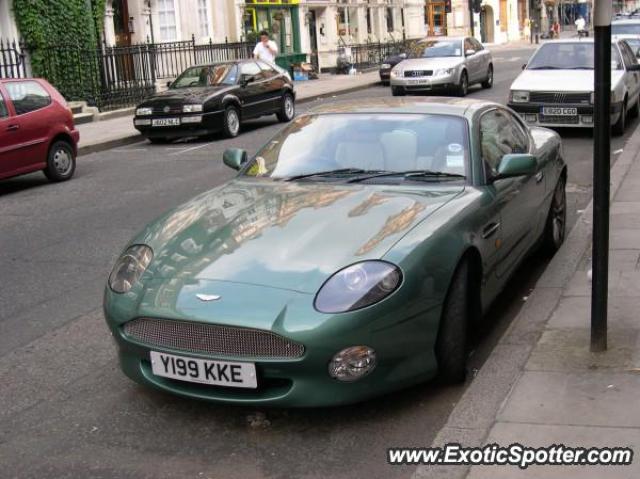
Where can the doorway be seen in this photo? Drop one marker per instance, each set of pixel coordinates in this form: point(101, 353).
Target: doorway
point(121, 22)
point(436, 19)
point(487, 25)
point(313, 40)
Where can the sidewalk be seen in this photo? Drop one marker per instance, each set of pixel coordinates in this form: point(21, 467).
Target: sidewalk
point(541, 385)
point(102, 135)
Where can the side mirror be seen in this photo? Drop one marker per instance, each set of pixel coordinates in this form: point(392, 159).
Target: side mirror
point(169, 84)
point(524, 66)
point(234, 158)
point(246, 79)
point(516, 164)
point(469, 52)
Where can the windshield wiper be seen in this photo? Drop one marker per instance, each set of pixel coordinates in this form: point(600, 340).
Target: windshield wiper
point(409, 175)
point(348, 171)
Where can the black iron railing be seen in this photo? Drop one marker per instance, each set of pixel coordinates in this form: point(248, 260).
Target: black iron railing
point(12, 59)
point(362, 56)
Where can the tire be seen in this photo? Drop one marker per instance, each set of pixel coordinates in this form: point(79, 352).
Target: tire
point(488, 83)
point(231, 122)
point(463, 87)
point(385, 82)
point(556, 226)
point(635, 109)
point(397, 91)
point(451, 343)
point(288, 109)
point(61, 162)
point(621, 124)
point(159, 141)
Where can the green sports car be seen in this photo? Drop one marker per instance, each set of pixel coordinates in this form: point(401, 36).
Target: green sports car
point(345, 260)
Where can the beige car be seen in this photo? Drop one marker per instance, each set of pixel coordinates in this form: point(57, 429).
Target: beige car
point(445, 63)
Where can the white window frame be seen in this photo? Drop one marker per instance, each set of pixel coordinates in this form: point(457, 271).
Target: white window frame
point(209, 16)
point(176, 16)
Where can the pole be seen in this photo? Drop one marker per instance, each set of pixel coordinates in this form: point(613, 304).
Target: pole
point(601, 163)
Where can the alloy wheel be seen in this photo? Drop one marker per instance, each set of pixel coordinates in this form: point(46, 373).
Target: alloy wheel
point(233, 122)
point(559, 214)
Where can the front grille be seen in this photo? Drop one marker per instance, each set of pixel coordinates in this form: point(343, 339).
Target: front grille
point(172, 109)
point(212, 339)
point(559, 97)
point(559, 120)
point(417, 73)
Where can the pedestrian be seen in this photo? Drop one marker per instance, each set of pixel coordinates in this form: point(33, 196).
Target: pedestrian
point(527, 29)
point(581, 26)
point(265, 49)
point(556, 29)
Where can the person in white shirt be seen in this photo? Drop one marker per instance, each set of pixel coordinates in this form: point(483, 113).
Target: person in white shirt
point(265, 49)
point(580, 24)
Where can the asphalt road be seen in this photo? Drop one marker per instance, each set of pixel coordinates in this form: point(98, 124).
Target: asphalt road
point(65, 409)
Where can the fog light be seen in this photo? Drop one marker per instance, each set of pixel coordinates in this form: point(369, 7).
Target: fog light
point(588, 119)
point(531, 118)
point(142, 122)
point(352, 363)
point(192, 119)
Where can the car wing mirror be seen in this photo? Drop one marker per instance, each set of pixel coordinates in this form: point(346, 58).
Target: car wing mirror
point(234, 158)
point(245, 79)
point(469, 52)
point(516, 164)
point(524, 67)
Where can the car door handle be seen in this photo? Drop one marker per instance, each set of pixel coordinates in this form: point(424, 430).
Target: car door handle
point(13, 127)
point(539, 176)
point(490, 229)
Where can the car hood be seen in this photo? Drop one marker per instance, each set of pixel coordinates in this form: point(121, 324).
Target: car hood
point(560, 80)
point(286, 235)
point(184, 95)
point(430, 63)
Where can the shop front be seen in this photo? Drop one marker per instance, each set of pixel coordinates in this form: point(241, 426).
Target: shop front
point(281, 18)
point(436, 17)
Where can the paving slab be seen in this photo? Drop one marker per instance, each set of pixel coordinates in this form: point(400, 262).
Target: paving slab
point(577, 436)
point(575, 312)
point(575, 398)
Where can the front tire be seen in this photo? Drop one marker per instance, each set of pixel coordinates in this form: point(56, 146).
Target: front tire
point(451, 343)
point(288, 109)
point(231, 122)
point(556, 225)
point(635, 109)
point(463, 86)
point(61, 162)
point(488, 83)
point(397, 91)
point(159, 140)
point(621, 124)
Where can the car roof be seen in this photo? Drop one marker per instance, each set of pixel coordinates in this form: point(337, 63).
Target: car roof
point(429, 105)
point(626, 21)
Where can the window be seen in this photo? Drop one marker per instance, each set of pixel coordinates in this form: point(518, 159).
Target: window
point(203, 18)
point(476, 44)
point(167, 20)
point(27, 96)
point(390, 20)
point(3, 108)
point(468, 45)
point(500, 134)
point(250, 69)
point(628, 56)
point(267, 71)
point(369, 22)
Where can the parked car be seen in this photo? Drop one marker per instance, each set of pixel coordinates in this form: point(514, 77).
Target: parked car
point(206, 99)
point(388, 63)
point(556, 86)
point(450, 63)
point(629, 26)
point(36, 130)
point(345, 268)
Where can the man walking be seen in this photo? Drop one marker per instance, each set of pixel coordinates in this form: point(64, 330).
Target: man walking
point(265, 49)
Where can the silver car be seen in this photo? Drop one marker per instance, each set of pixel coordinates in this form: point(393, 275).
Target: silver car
point(556, 86)
point(626, 27)
point(445, 63)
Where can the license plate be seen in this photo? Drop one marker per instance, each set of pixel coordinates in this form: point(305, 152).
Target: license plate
point(418, 82)
point(204, 371)
point(558, 111)
point(165, 122)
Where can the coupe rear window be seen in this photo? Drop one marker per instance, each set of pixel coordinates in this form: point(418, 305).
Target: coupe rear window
point(437, 48)
point(391, 142)
point(625, 29)
point(569, 56)
point(223, 74)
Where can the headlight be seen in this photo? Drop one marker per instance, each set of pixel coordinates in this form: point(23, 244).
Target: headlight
point(129, 267)
point(385, 66)
point(144, 111)
point(519, 96)
point(352, 363)
point(443, 72)
point(396, 73)
point(191, 108)
point(358, 286)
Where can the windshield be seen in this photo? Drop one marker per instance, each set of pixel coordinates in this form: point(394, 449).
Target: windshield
point(437, 49)
point(625, 28)
point(569, 56)
point(214, 75)
point(367, 143)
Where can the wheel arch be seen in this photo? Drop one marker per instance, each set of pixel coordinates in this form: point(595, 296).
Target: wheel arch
point(63, 136)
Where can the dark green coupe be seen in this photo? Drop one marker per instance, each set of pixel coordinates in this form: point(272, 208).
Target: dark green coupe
point(347, 258)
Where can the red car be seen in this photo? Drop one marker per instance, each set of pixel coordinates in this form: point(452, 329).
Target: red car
point(36, 130)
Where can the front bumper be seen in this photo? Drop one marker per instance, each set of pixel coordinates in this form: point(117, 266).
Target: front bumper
point(532, 114)
point(211, 123)
point(385, 74)
point(426, 83)
point(402, 339)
